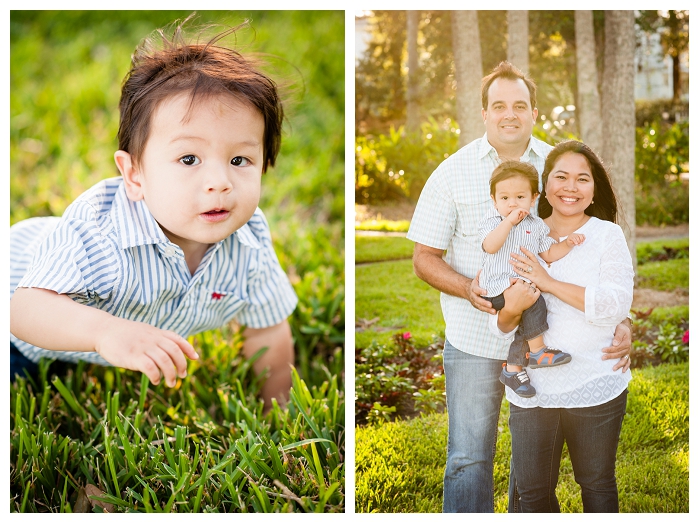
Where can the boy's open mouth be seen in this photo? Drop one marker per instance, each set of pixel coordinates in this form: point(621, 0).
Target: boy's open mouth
point(215, 215)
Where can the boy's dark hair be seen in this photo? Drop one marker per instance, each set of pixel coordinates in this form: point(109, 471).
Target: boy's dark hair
point(512, 169)
point(605, 204)
point(163, 66)
point(509, 72)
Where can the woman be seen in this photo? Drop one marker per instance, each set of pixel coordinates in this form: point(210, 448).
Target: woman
point(587, 293)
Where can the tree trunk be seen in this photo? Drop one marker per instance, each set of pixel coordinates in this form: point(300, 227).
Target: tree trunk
point(618, 109)
point(413, 108)
point(588, 111)
point(518, 39)
point(468, 71)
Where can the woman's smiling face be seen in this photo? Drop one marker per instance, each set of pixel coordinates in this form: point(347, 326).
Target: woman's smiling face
point(570, 186)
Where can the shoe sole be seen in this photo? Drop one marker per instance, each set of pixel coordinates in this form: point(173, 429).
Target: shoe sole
point(533, 365)
point(518, 394)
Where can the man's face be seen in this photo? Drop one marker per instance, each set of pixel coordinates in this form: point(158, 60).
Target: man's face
point(201, 169)
point(509, 118)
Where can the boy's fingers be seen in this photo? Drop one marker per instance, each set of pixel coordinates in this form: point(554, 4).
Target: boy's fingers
point(164, 362)
point(148, 367)
point(175, 353)
point(183, 344)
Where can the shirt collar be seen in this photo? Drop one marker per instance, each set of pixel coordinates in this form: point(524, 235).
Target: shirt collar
point(534, 146)
point(135, 225)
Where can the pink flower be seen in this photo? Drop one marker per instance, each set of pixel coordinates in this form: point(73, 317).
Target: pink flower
point(406, 336)
point(685, 337)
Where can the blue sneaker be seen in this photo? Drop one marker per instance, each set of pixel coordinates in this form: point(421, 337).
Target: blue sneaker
point(547, 357)
point(518, 382)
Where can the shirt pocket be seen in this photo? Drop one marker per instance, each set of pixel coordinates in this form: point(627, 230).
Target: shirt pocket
point(471, 208)
point(217, 307)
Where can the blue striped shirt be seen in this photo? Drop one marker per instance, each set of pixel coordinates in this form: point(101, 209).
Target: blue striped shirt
point(454, 200)
point(531, 233)
point(108, 252)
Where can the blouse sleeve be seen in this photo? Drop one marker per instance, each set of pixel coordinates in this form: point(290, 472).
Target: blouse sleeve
point(609, 302)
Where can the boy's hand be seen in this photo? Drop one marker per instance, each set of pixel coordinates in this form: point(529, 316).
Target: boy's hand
point(575, 239)
point(516, 216)
point(142, 347)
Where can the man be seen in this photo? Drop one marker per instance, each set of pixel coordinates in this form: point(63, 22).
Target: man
point(453, 202)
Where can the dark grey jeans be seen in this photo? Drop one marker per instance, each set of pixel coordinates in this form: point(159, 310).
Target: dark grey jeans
point(532, 324)
point(592, 436)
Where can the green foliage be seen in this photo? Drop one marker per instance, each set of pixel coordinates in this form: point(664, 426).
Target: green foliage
point(397, 165)
point(379, 248)
point(383, 225)
point(397, 378)
point(203, 446)
point(662, 153)
point(662, 250)
point(659, 336)
point(400, 465)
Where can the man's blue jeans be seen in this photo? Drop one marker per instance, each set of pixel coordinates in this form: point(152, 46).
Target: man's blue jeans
point(592, 436)
point(474, 395)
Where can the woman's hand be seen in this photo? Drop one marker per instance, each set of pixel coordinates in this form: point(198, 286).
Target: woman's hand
point(529, 267)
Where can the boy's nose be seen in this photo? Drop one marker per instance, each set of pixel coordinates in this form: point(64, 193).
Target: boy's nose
point(217, 180)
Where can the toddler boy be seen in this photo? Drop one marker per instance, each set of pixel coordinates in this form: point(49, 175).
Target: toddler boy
point(174, 246)
point(514, 187)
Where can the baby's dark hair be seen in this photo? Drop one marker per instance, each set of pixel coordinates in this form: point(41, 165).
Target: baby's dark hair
point(512, 169)
point(165, 65)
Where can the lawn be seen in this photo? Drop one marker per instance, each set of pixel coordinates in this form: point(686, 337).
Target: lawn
point(206, 445)
point(400, 458)
point(400, 464)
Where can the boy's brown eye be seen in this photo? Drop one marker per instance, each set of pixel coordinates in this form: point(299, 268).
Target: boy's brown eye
point(239, 161)
point(189, 159)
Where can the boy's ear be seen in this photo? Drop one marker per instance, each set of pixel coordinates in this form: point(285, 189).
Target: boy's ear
point(132, 177)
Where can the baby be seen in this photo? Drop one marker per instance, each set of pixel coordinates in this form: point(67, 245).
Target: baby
point(174, 246)
point(514, 187)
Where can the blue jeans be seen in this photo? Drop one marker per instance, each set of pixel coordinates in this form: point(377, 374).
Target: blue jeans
point(19, 362)
point(474, 395)
point(592, 436)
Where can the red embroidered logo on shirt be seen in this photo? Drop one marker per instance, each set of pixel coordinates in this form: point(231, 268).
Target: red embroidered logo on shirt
point(528, 232)
point(217, 295)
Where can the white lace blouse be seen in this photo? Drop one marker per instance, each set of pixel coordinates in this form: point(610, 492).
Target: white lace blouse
point(602, 265)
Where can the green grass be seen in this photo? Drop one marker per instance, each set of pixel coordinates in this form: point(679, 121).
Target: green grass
point(398, 300)
point(390, 291)
point(66, 69)
point(382, 248)
point(664, 275)
point(383, 225)
point(400, 464)
point(204, 446)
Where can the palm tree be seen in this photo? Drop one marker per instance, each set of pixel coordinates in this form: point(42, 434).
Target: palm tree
point(518, 39)
point(468, 71)
point(589, 113)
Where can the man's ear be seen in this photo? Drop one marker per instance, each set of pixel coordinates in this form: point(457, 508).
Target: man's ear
point(535, 113)
point(132, 177)
point(483, 114)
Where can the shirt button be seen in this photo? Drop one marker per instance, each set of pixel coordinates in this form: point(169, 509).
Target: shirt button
point(169, 251)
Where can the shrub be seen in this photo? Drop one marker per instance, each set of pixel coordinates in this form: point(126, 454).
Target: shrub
point(397, 165)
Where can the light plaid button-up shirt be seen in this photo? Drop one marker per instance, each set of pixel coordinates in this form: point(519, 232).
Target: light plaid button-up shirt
point(454, 200)
point(108, 252)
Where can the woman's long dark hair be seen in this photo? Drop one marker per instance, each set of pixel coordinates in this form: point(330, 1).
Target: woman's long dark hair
point(605, 202)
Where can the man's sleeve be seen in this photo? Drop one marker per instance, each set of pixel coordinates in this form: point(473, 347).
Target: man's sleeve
point(434, 220)
point(270, 297)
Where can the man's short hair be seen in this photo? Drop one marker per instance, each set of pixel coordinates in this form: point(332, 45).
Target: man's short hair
point(512, 169)
point(509, 72)
point(165, 65)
